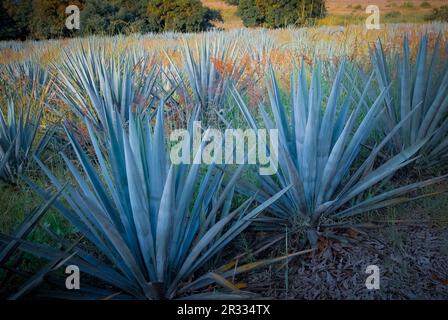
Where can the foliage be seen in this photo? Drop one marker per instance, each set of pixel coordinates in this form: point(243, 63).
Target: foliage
point(48, 18)
point(339, 154)
point(439, 14)
point(320, 155)
point(181, 15)
point(9, 28)
point(44, 19)
point(425, 4)
point(16, 17)
point(90, 83)
point(20, 124)
point(275, 14)
point(38, 19)
point(392, 14)
point(139, 211)
point(419, 92)
point(18, 133)
point(114, 17)
point(211, 67)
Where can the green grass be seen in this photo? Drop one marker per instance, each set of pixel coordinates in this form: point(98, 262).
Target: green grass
point(16, 202)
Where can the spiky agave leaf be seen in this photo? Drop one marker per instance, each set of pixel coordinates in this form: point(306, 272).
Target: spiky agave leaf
point(420, 87)
point(139, 211)
point(9, 245)
point(319, 152)
point(18, 132)
point(91, 80)
point(210, 67)
point(28, 76)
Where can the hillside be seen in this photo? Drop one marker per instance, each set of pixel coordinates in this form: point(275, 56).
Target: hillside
point(345, 11)
point(228, 12)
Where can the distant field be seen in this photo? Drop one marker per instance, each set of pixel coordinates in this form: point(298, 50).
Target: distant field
point(345, 11)
point(228, 12)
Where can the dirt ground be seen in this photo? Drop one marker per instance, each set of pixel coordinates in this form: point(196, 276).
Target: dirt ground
point(412, 257)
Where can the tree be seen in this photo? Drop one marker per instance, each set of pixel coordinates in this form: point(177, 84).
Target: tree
point(280, 13)
point(8, 27)
point(181, 15)
point(114, 17)
point(44, 19)
point(15, 19)
point(439, 14)
point(250, 13)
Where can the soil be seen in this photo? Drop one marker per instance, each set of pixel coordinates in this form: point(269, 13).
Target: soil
point(412, 258)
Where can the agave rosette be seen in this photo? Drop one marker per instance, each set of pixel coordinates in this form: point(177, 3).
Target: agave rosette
point(320, 154)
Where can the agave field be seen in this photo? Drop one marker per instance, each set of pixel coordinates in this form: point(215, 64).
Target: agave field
point(87, 177)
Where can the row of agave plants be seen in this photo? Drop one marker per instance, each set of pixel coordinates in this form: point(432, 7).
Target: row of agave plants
point(159, 230)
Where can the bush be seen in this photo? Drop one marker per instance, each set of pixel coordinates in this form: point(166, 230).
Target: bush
point(44, 19)
point(280, 13)
point(233, 2)
point(439, 14)
point(425, 4)
point(181, 15)
point(15, 16)
point(392, 14)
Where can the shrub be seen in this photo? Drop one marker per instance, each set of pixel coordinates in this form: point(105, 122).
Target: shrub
point(114, 17)
point(418, 96)
point(425, 4)
point(275, 14)
point(44, 19)
point(392, 14)
point(439, 14)
point(15, 17)
point(181, 15)
point(210, 70)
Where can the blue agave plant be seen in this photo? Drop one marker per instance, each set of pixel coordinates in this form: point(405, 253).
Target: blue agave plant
point(420, 87)
point(320, 154)
point(157, 224)
point(89, 81)
point(18, 139)
point(209, 82)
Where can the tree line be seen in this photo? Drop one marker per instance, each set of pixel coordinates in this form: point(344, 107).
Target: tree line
point(279, 13)
point(45, 19)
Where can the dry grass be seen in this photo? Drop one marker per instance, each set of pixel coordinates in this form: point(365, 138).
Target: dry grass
point(343, 12)
point(228, 12)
